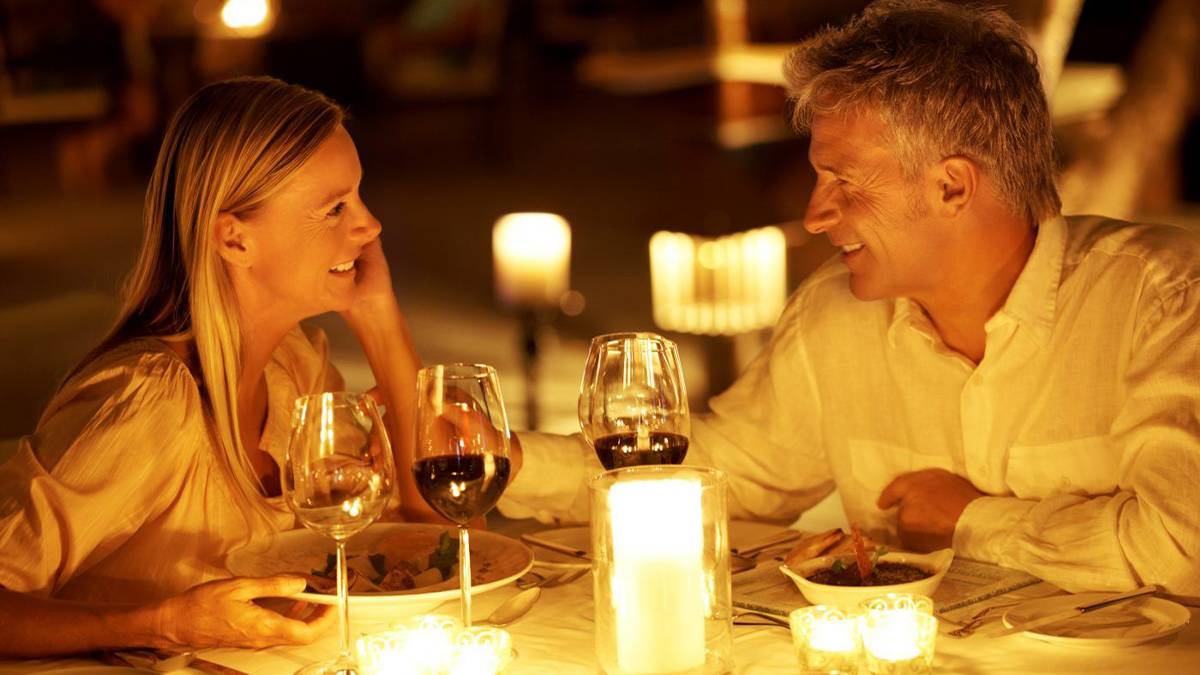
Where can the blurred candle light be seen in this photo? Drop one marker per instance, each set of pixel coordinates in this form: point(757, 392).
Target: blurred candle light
point(531, 253)
point(722, 286)
point(245, 14)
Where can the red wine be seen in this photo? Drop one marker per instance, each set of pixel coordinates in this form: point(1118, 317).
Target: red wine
point(620, 450)
point(461, 487)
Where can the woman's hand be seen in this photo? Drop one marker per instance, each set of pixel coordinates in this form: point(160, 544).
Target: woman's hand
point(222, 613)
point(372, 284)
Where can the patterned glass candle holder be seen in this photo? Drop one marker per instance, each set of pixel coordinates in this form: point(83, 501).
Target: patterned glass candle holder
point(826, 639)
point(898, 633)
point(434, 645)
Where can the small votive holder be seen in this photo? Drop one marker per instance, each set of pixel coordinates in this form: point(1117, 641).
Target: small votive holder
point(898, 633)
point(826, 639)
point(434, 645)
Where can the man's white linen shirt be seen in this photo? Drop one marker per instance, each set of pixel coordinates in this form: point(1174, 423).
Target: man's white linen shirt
point(1080, 423)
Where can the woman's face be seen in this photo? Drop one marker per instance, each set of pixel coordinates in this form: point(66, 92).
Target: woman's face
point(308, 235)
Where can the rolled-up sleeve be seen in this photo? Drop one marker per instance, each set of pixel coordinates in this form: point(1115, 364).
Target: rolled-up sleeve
point(1147, 531)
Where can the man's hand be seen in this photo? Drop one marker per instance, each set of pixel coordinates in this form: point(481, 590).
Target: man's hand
point(930, 501)
point(222, 614)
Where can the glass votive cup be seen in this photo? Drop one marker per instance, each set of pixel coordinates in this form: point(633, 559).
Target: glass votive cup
point(434, 644)
point(898, 633)
point(826, 639)
point(480, 650)
point(921, 604)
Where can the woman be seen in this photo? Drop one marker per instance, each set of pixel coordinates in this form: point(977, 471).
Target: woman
point(161, 451)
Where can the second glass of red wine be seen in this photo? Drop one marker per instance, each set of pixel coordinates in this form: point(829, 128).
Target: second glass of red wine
point(461, 460)
point(633, 405)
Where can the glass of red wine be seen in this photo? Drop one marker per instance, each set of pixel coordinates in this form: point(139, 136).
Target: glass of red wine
point(633, 405)
point(461, 460)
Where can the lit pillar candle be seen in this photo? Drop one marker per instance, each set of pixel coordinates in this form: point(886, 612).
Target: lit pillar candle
point(658, 586)
point(531, 253)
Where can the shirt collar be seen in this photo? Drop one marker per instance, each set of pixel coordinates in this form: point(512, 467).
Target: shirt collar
point(1032, 300)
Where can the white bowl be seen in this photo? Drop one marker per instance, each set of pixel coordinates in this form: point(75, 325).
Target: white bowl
point(850, 596)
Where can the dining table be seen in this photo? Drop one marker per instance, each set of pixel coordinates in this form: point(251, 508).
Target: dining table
point(557, 637)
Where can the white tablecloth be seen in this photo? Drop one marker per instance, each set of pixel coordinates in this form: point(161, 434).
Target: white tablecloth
point(556, 638)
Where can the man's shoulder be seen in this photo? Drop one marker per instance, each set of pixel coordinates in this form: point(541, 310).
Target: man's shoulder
point(823, 302)
point(1164, 256)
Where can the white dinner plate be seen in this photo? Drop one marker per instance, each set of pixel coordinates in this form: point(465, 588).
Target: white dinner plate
point(496, 561)
point(1127, 623)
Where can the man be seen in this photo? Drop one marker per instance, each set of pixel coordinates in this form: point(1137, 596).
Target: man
point(973, 370)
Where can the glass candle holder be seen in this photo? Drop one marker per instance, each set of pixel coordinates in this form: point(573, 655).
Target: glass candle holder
point(660, 562)
point(826, 639)
point(898, 633)
point(434, 645)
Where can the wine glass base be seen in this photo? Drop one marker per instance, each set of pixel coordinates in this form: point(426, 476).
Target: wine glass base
point(335, 667)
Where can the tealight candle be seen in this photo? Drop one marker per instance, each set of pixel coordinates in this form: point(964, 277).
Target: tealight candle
point(898, 633)
point(826, 638)
point(434, 645)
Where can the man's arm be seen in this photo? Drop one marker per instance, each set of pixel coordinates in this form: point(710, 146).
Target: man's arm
point(1145, 532)
point(763, 432)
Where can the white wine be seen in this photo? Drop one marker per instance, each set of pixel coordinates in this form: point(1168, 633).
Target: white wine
point(344, 517)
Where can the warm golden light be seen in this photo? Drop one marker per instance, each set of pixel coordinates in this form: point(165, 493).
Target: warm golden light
point(532, 255)
point(725, 286)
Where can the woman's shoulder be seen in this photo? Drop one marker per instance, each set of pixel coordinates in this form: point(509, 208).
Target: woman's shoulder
point(135, 398)
point(136, 375)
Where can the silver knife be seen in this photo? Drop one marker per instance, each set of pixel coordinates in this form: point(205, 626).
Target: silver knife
point(1078, 610)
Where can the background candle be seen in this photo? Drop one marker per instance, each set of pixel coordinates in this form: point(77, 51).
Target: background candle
point(658, 586)
point(531, 253)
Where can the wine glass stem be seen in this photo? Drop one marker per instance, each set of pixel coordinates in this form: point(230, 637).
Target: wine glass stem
point(343, 602)
point(464, 573)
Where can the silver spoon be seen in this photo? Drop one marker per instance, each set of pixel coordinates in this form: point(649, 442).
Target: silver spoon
point(519, 605)
point(514, 608)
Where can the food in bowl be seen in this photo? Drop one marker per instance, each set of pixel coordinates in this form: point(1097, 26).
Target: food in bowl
point(883, 574)
point(829, 569)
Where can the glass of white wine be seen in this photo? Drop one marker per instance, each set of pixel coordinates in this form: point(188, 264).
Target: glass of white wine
point(338, 479)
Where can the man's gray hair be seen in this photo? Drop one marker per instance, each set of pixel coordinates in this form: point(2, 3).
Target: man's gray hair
point(946, 80)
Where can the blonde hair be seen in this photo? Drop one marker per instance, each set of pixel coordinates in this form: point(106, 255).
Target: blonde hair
point(227, 149)
point(946, 80)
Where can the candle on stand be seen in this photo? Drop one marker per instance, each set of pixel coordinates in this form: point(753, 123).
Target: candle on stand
point(658, 583)
point(531, 253)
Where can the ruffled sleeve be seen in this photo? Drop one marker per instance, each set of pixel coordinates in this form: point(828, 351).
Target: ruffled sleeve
point(108, 457)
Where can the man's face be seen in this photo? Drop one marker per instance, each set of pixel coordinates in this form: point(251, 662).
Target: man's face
point(865, 205)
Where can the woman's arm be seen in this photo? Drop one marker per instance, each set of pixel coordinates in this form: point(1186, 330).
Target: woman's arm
point(380, 327)
point(215, 614)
